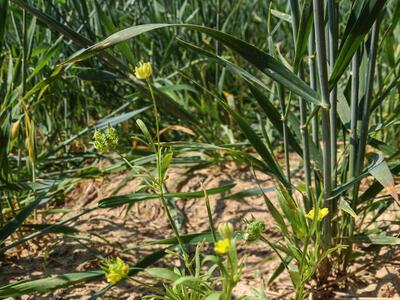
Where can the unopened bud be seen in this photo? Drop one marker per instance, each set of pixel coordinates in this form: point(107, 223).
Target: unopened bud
point(225, 230)
point(14, 129)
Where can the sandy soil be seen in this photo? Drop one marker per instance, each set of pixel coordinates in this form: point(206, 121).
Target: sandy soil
point(107, 231)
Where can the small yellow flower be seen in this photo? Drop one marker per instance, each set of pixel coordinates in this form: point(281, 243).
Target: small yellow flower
point(115, 270)
point(222, 246)
point(225, 230)
point(322, 213)
point(227, 94)
point(143, 71)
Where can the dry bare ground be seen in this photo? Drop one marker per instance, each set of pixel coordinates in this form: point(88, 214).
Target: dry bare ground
point(106, 231)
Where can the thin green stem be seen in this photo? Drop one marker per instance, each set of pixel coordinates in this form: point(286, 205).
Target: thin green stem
point(303, 111)
point(160, 179)
point(217, 21)
point(354, 111)
point(24, 52)
point(281, 96)
point(313, 85)
point(125, 160)
point(294, 6)
point(353, 147)
point(300, 288)
point(209, 214)
point(365, 116)
point(319, 25)
point(333, 50)
point(325, 113)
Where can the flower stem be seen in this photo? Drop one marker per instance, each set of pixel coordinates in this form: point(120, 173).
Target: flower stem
point(160, 179)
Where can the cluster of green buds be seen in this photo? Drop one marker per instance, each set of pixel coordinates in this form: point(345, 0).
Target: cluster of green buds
point(254, 230)
point(105, 141)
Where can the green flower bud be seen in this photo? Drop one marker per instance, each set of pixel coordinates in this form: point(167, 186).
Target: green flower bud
point(112, 138)
point(236, 278)
point(105, 141)
point(225, 230)
point(100, 141)
point(254, 230)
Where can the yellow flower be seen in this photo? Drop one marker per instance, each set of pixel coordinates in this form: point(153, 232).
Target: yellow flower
point(115, 270)
point(322, 213)
point(227, 94)
point(143, 71)
point(222, 246)
point(225, 230)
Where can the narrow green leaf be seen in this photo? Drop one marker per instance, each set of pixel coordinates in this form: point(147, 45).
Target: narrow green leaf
point(64, 229)
point(355, 37)
point(3, 21)
point(376, 187)
point(305, 27)
point(378, 239)
point(264, 62)
point(145, 131)
point(192, 238)
point(97, 75)
point(256, 142)
point(110, 28)
point(13, 225)
point(279, 270)
point(386, 149)
point(249, 193)
point(378, 167)
point(382, 173)
point(228, 65)
point(281, 15)
point(47, 284)
point(25, 287)
point(137, 197)
point(274, 116)
point(276, 215)
point(345, 206)
point(343, 109)
point(315, 153)
point(214, 296)
point(164, 101)
point(163, 273)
